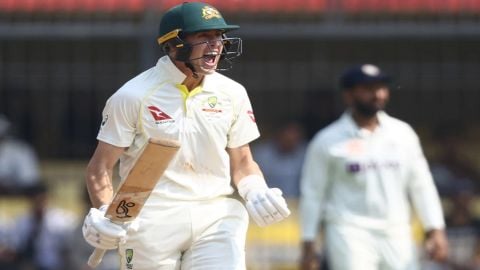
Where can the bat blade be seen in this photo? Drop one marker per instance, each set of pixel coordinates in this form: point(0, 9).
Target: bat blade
point(141, 180)
point(136, 188)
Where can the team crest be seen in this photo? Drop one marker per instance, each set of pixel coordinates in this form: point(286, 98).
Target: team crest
point(209, 12)
point(129, 257)
point(214, 108)
point(212, 101)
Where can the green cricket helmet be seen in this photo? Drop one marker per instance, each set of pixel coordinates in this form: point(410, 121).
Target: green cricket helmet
point(193, 17)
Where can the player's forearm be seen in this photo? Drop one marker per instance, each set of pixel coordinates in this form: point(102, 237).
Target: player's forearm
point(247, 169)
point(242, 164)
point(99, 184)
point(99, 173)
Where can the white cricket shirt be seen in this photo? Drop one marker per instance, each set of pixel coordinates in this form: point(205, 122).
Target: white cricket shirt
point(206, 121)
point(364, 178)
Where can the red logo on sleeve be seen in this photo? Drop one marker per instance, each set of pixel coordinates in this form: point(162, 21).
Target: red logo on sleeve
point(158, 114)
point(252, 117)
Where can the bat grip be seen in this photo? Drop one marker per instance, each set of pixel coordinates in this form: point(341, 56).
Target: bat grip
point(96, 258)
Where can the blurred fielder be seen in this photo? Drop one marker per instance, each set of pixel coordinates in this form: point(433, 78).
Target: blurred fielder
point(187, 222)
point(359, 175)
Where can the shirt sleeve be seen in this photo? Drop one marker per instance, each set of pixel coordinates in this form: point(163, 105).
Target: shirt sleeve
point(244, 127)
point(313, 186)
point(423, 192)
point(119, 120)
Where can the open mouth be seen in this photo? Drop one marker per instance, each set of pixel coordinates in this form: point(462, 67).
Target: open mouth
point(210, 59)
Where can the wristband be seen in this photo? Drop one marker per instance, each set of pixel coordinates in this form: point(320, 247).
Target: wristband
point(249, 182)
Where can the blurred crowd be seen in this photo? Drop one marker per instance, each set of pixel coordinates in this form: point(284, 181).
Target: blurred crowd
point(45, 236)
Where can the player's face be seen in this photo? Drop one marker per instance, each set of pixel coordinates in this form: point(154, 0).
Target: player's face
point(368, 99)
point(206, 50)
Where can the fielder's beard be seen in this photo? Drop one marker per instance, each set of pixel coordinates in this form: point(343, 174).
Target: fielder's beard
point(366, 110)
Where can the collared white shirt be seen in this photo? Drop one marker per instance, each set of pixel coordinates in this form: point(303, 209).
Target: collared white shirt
point(364, 178)
point(206, 121)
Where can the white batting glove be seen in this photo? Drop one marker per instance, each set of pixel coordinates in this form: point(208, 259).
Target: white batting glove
point(265, 205)
point(100, 232)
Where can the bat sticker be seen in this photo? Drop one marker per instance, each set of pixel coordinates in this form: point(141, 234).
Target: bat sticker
point(123, 208)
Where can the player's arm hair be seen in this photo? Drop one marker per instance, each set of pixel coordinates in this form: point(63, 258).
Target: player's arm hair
point(99, 173)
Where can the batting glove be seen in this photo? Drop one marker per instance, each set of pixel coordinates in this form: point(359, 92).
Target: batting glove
point(265, 205)
point(100, 232)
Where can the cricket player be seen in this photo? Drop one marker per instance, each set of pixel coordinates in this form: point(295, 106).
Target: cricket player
point(359, 176)
point(188, 222)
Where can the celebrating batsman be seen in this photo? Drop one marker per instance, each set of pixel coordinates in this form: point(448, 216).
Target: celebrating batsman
point(187, 222)
point(359, 175)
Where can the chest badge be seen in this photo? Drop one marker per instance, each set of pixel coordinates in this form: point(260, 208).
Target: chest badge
point(212, 102)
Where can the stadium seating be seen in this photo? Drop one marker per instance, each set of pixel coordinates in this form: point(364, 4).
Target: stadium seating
point(252, 6)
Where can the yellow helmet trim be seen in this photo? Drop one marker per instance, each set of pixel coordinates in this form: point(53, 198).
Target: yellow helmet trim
point(169, 35)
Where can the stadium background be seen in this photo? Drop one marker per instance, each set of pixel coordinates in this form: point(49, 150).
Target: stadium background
point(61, 59)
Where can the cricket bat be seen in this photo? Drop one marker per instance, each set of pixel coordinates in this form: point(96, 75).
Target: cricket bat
point(136, 188)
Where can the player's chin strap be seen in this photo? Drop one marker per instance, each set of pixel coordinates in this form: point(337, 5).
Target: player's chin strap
point(192, 68)
point(183, 53)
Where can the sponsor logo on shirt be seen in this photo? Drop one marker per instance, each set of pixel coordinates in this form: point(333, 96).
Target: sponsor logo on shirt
point(159, 116)
point(353, 167)
point(356, 167)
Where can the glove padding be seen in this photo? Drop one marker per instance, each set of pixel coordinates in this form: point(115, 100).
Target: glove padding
point(101, 232)
point(265, 205)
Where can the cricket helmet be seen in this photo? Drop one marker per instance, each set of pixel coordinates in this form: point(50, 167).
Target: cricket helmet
point(190, 18)
point(193, 17)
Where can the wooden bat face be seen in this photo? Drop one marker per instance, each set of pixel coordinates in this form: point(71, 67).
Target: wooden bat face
point(141, 180)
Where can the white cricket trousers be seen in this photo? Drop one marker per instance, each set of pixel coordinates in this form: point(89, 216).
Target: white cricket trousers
point(354, 248)
point(188, 235)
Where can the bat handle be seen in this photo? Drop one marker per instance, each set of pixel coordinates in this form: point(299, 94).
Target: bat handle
point(96, 258)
